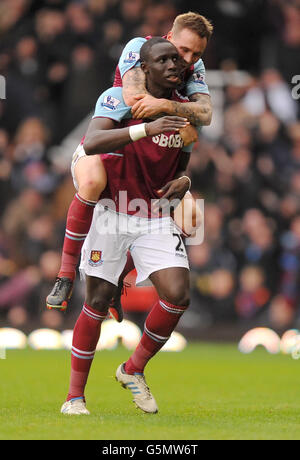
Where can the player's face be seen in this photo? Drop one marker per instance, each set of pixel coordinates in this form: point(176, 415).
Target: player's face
point(189, 45)
point(164, 65)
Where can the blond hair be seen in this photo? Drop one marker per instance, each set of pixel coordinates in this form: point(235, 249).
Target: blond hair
point(195, 22)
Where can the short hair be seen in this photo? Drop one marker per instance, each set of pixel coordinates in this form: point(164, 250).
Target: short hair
point(195, 22)
point(146, 47)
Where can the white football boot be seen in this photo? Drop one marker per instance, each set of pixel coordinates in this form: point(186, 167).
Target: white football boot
point(137, 385)
point(74, 407)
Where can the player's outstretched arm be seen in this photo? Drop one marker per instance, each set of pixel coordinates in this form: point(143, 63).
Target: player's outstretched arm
point(198, 110)
point(103, 136)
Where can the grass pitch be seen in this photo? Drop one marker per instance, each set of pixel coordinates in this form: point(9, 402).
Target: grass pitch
point(204, 392)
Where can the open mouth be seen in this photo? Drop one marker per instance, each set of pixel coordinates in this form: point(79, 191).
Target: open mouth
point(173, 77)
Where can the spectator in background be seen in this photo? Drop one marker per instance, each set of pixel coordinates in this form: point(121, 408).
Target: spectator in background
point(253, 295)
point(289, 286)
point(26, 62)
point(131, 15)
point(12, 13)
point(158, 18)
point(5, 171)
point(80, 22)
point(282, 42)
point(17, 218)
point(271, 92)
point(109, 50)
point(14, 293)
point(260, 245)
point(85, 80)
point(29, 157)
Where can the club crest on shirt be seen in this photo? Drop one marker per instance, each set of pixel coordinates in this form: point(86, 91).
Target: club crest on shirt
point(199, 78)
point(131, 57)
point(110, 102)
point(95, 258)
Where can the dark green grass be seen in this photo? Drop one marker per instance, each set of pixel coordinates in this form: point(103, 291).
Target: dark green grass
point(204, 392)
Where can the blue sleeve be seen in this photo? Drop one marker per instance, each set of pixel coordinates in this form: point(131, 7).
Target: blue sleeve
point(196, 83)
point(130, 55)
point(189, 148)
point(111, 105)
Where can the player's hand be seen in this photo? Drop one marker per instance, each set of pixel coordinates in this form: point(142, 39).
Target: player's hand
point(165, 124)
point(147, 106)
point(175, 189)
point(189, 134)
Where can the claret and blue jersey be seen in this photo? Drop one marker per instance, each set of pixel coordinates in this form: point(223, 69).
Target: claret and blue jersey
point(140, 168)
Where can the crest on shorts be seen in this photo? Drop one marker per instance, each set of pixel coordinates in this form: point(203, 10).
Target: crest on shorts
point(95, 258)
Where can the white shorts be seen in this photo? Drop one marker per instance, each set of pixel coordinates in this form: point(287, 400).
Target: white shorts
point(187, 215)
point(155, 244)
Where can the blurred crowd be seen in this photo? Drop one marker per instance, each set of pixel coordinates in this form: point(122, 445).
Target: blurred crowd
point(58, 56)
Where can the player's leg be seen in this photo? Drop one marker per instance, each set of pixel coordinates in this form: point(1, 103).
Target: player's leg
point(90, 179)
point(90, 175)
point(85, 338)
point(162, 258)
point(103, 259)
point(172, 285)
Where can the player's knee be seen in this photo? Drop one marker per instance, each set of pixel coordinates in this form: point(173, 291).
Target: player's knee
point(178, 296)
point(100, 297)
point(91, 188)
point(182, 300)
point(98, 303)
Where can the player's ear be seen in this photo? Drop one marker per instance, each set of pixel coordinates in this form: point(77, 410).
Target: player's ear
point(144, 67)
point(169, 35)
